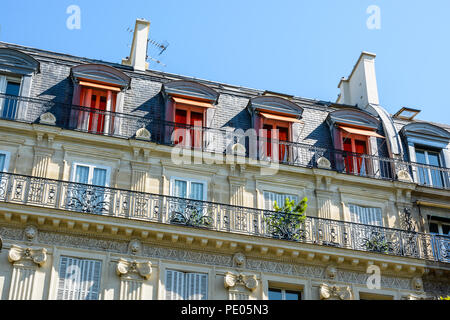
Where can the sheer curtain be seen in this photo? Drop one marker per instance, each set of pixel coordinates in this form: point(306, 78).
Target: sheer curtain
point(366, 215)
point(280, 198)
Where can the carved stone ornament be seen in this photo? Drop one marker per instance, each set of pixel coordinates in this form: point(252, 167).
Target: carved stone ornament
point(403, 175)
point(135, 247)
point(416, 297)
point(143, 134)
point(37, 256)
point(141, 268)
point(248, 281)
point(47, 118)
point(417, 284)
point(238, 149)
point(335, 292)
point(31, 233)
point(239, 260)
point(323, 163)
point(331, 272)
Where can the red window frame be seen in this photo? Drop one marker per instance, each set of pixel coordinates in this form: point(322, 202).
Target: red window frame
point(283, 135)
point(188, 133)
point(355, 145)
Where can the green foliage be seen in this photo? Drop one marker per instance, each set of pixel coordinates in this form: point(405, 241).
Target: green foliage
point(287, 221)
point(445, 298)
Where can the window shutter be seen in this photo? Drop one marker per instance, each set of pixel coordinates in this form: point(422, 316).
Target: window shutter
point(197, 286)
point(78, 279)
point(174, 285)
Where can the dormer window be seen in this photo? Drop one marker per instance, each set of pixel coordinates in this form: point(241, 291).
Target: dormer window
point(189, 105)
point(276, 122)
point(428, 152)
point(99, 95)
point(16, 72)
point(354, 137)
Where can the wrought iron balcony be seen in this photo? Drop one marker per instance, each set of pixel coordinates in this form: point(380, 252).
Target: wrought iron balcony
point(95, 200)
point(222, 141)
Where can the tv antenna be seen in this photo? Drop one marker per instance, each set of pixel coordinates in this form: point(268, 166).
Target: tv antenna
point(157, 49)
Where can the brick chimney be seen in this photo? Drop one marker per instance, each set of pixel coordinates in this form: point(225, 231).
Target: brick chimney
point(138, 54)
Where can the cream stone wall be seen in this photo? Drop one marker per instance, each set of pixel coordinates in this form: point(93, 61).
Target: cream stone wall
point(46, 151)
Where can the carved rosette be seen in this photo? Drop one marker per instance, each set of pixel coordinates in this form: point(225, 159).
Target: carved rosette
point(132, 268)
point(232, 280)
point(335, 292)
point(18, 254)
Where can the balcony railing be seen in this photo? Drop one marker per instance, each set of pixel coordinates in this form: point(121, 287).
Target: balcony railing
point(95, 200)
point(221, 141)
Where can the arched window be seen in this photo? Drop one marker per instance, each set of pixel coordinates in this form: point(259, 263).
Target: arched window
point(16, 72)
point(99, 91)
point(189, 108)
point(355, 140)
point(428, 151)
point(276, 121)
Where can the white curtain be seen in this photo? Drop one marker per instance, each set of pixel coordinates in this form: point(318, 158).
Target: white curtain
point(82, 174)
point(196, 191)
point(99, 177)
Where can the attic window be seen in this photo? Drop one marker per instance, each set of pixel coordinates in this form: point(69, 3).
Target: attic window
point(406, 113)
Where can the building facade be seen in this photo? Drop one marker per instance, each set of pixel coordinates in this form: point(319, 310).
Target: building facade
point(119, 182)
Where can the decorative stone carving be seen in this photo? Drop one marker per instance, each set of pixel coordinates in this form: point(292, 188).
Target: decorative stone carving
point(331, 272)
point(248, 281)
point(31, 232)
point(140, 268)
point(323, 163)
point(239, 260)
point(143, 134)
point(403, 175)
point(238, 149)
point(335, 292)
point(135, 246)
point(47, 118)
point(415, 297)
point(417, 284)
point(37, 256)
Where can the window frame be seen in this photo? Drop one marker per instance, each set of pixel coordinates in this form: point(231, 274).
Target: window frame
point(365, 207)
point(426, 150)
point(7, 160)
point(283, 292)
point(279, 193)
point(91, 172)
point(189, 181)
point(185, 285)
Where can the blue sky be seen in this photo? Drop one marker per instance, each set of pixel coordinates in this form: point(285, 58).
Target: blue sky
point(295, 47)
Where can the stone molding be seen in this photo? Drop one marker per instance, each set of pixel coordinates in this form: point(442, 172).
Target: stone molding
point(140, 268)
point(335, 292)
point(232, 280)
point(20, 254)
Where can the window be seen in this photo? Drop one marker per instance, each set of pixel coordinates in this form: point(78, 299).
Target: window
point(282, 294)
point(186, 285)
point(189, 122)
point(4, 161)
point(101, 103)
point(354, 163)
point(9, 86)
point(366, 215)
point(79, 279)
point(282, 137)
point(188, 188)
point(90, 174)
point(427, 175)
point(280, 198)
point(440, 226)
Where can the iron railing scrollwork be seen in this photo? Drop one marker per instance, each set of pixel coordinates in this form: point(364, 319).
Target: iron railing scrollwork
point(105, 201)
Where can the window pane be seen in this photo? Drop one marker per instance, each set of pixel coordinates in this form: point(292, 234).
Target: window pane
point(180, 189)
point(434, 228)
point(99, 178)
point(292, 295)
point(433, 158)
point(10, 105)
point(2, 162)
point(446, 229)
point(82, 174)
point(420, 156)
point(196, 191)
point(12, 88)
point(275, 294)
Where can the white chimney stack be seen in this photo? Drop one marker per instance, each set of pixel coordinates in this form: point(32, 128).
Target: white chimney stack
point(138, 54)
point(361, 86)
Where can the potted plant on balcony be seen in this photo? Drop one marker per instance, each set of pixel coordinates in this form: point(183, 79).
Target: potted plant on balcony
point(286, 222)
